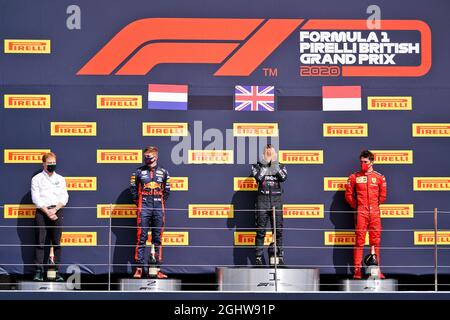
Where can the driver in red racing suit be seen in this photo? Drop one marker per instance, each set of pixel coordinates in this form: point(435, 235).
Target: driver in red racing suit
point(365, 191)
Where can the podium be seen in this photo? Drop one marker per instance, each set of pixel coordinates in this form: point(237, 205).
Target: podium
point(369, 285)
point(43, 286)
point(150, 285)
point(263, 279)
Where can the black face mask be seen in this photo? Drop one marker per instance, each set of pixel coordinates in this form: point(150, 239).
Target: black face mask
point(149, 160)
point(51, 167)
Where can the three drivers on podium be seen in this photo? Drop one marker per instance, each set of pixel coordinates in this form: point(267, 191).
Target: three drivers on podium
point(150, 187)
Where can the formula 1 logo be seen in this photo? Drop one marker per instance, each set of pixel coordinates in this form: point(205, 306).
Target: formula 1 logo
point(241, 45)
point(211, 40)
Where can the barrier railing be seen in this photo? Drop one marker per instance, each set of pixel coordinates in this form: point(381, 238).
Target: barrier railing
point(109, 226)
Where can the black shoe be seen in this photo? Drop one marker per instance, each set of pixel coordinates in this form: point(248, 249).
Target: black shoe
point(259, 261)
point(38, 276)
point(59, 278)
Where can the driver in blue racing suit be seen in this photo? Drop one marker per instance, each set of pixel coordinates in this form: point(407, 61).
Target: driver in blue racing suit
point(150, 188)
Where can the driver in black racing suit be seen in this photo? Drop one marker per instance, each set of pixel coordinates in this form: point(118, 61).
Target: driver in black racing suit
point(269, 174)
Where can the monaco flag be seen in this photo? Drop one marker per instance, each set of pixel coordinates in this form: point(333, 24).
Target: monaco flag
point(341, 98)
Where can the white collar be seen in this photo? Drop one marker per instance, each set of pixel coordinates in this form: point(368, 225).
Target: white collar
point(49, 176)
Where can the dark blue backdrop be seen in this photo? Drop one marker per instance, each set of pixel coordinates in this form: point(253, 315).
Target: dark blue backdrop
point(74, 99)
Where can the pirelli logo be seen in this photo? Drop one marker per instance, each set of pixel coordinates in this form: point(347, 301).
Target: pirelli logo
point(342, 238)
point(389, 103)
point(396, 210)
point(211, 211)
point(255, 129)
point(431, 183)
point(79, 239)
point(393, 156)
point(247, 238)
point(165, 129)
point(18, 211)
point(79, 129)
point(334, 183)
point(431, 129)
point(27, 46)
point(26, 101)
point(345, 130)
point(303, 211)
point(119, 156)
point(210, 157)
point(179, 183)
point(172, 238)
point(245, 184)
point(301, 156)
point(119, 102)
point(116, 211)
point(24, 155)
point(81, 183)
point(423, 238)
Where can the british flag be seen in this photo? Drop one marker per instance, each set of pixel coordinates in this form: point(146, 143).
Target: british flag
point(254, 98)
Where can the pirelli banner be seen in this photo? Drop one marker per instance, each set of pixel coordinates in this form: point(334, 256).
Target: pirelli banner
point(211, 90)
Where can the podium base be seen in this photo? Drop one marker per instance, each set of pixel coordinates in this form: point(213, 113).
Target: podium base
point(263, 279)
point(150, 285)
point(43, 286)
point(369, 285)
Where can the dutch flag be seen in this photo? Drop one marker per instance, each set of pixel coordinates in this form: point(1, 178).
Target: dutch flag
point(341, 98)
point(167, 97)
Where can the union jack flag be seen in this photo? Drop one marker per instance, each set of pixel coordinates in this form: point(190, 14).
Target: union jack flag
point(254, 98)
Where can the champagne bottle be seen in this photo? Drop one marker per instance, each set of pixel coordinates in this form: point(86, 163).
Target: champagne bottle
point(51, 271)
point(152, 268)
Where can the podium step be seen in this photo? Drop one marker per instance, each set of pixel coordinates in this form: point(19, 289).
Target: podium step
point(263, 279)
point(369, 285)
point(43, 286)
point(150, 285)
